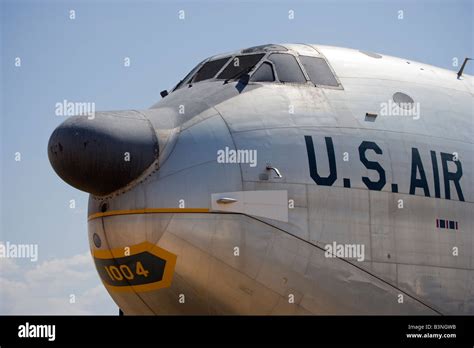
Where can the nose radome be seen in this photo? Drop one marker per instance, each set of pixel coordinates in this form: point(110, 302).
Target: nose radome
point(102, 154)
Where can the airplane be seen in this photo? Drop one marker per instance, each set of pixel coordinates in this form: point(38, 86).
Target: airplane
point(284, 179)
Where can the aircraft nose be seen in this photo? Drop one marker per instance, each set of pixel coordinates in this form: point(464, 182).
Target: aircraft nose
point(102, 154)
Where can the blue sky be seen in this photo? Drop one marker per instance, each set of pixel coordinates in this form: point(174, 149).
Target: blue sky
point(82, 60)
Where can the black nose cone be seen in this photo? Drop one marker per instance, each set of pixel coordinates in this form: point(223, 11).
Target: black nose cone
point(102, 154)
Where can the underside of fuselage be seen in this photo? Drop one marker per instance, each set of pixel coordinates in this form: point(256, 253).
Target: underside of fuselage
point(273, 272)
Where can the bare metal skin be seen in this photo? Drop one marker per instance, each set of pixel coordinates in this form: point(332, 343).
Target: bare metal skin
point(249, 242)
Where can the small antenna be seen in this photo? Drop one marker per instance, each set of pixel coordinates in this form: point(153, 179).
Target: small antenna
point(462, 67)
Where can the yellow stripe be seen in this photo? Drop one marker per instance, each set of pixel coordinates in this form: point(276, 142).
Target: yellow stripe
point(148, 211)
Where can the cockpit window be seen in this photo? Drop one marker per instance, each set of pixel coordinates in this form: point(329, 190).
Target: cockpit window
point(280, 67)
point(264, 73)
point(240, 65)
point(287, 68)
point(318, 71)
point(187, 77)
point(267, 48)
point(210, 69)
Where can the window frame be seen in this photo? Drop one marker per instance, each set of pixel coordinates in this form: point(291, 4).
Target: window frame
point(300, 64)
point(339, 84)
point(265, 59)
point(275, 70)
point(189, 79)
point(256, 67)
point(190, 75)
point(229, 58)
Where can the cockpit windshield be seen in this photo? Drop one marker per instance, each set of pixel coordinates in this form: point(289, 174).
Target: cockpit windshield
point(240, 65)
point(233, 68)
point(187, 77)
point(210, 69)
point(264, 73)
point(271, 64)
point(287, 68)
